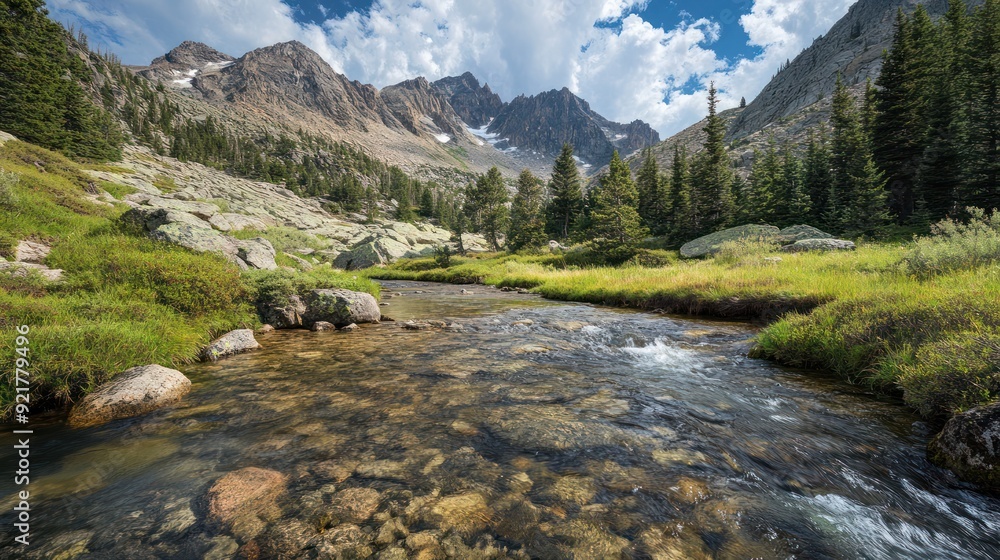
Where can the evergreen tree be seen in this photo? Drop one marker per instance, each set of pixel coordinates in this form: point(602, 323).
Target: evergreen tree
point(567, 195)
point(527, 221)
point(371, 204)
point(713, 174)
point(486, 199)
point(683, 216)
point(940, 173)
point(765, 185)
point(859, 197)
point(41, 100)
point(654, 199)
point(793, 202)
point(616, 228)
point(982, 146)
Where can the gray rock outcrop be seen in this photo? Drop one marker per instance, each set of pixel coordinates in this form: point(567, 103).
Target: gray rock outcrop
point(341, 307)
point(710, 244)
point(133, 392)
point(31, 252)
point(819, 245)
point(284, 314)
point(969, 445)
point(230, 344)
point(792, 234)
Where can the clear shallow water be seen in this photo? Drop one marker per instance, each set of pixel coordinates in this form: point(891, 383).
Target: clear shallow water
point(538, 429)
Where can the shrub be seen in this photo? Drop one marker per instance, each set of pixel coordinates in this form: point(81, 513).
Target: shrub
point(953, 245)
point(276, 285)
point(8, 180)
point(285, 239)
point(442, 256)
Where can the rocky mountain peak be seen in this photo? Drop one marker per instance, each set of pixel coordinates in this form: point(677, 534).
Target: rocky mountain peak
point(422, 108)
point(192, 54)
point(545, 121)
point(475, 104)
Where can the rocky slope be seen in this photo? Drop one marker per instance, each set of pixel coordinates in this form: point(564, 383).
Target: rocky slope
point(476, 105)
point(422, 108)
point(853, 48)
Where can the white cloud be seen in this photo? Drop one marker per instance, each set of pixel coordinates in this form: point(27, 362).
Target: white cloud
point(518, 46)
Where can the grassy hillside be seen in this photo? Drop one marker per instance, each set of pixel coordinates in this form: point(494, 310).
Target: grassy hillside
point(125, 300)
point(922, 317)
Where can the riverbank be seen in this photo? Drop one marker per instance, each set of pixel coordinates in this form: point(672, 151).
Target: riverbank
point(123, 299)
point(861, 314)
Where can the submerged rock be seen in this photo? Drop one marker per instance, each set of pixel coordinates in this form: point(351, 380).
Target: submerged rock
point(322, 326)
point(243, 501)
point(355, 505)
point(969, 445)
point(230, 344)
point(710, 244)
point(133, 392)
point(341, 307)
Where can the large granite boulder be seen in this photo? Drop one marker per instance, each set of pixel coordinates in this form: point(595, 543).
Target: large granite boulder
point(286, 314)
point(341, 307)
point(969, 445)
point(710, 244)
point(245, 253)
point(243, 501)
point(133, 392)
point(377, 252)
point(257, 253)
point(230, 344)
point(819, 245)
point(792, 234)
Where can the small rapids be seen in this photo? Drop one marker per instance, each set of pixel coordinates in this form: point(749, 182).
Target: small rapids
point(533, 429)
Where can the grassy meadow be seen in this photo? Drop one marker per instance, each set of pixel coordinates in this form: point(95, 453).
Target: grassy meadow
point(920, 317)
point(125, 300)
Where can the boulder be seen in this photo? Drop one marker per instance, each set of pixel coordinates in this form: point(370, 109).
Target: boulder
point(341, 307)
point(133, 392)
point(792, 234)
point(322, 326)
point(242, 500)
point(969, 445)
point(203, 210)
point(283, 315)
point(302, 263)
point(201, 239)
point(819, 245)
point(381, 251)
point(257, 252)
point(219, 222)
point(230, 344)
point(31, 252)
point(710, 244)
point(239, 222)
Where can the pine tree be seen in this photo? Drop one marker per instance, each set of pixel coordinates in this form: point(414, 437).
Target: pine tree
point(713, 173)
point(793, 202)
point(486, 199)
point(567, 195)
point(859, 197)
point(683, 216)
point(616, 228)
point(527, 221)
point(982, 146)
point(765, 185)
point(940, 173)
point(653, 198)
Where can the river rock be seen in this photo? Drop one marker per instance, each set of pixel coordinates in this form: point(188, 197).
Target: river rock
point(242, 501)
point(31, 252)
point(969, 445)
point(322, 326)
point(465, 514)
point(792, 234)
point(133, 392)
point(230, 344)
point(355, 505)
point(819, 245)
point(341, 307)
point(711, 243)
point(286, 314)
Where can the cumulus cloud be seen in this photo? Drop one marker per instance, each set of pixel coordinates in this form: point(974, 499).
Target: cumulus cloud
point(626, 67)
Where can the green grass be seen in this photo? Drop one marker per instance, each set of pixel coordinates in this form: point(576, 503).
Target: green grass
point(862, 314)
point(126, 300)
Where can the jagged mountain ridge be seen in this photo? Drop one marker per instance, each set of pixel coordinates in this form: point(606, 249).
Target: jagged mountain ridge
point(545, 121)
point(476, 105)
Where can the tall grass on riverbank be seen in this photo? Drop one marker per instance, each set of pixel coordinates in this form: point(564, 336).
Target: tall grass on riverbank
point(865, 314)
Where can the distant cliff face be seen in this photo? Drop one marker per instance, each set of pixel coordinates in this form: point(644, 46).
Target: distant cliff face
point(853, 48)
point(475, 104)
point(422, 108)
point(545, 121)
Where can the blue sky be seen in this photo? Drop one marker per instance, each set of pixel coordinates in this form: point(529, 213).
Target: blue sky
point(646, 59)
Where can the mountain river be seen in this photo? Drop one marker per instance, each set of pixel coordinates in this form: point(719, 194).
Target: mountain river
point(526, 429)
